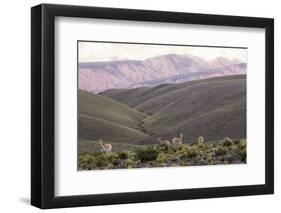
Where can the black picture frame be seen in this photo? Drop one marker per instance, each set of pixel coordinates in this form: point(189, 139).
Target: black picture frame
point(43, 102)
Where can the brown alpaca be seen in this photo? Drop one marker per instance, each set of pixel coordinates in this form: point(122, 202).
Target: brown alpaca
point(106, 148)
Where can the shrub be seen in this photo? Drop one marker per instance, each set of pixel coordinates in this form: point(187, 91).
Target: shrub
point(123, 155)
point(116, 162)
point(101, 161)
point(130, 163)
point(236, 141)
point(172, 149)
point(225, 151)
point(193, 152)
point(229, 158)
point(221, 151)
point(243, 155)
point(161, 158)
point(86, 162)
point(210, 160)
point(180, 152)
point(202, 161)
point(111, 156)
point(163, 147)
point(185, 146)
point(148, 154)
point(202, 146)
point(86, 159)
point(184, 163)
point(227, 142)
point(242, 144)
point(190, 152)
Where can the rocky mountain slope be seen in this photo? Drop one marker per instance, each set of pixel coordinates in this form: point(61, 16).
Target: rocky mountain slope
point(100, 76)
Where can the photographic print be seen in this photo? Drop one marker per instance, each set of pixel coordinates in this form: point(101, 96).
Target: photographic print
point(180, 95)
point(160, 105)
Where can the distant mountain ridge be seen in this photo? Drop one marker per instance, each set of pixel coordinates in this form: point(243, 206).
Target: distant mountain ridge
point(96, 77)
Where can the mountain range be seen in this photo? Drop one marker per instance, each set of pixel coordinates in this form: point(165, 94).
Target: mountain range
point(97, 77)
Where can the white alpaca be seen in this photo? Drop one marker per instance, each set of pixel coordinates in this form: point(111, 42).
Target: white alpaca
point(106, 148)
point(200, 140)
point(164, 142)
point(178, 141)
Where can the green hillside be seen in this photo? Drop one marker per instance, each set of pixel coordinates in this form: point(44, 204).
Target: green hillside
point(103, 118)
point(214, 107)
point(92, 128)
point(135, 97)
point(98, 106)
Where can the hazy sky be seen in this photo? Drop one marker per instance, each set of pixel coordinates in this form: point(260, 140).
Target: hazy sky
point(96, 51)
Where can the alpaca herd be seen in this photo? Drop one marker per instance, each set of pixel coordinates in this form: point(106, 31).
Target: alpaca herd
point(176, 141)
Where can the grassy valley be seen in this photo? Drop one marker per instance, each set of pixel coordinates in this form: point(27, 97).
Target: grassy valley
point(132, 120)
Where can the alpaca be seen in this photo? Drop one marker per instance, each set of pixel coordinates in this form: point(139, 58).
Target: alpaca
point(106, 148)
point(178, 141)
point(164, 143)
point(200, 140)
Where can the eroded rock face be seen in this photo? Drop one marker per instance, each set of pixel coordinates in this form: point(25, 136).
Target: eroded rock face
point(99, 76)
